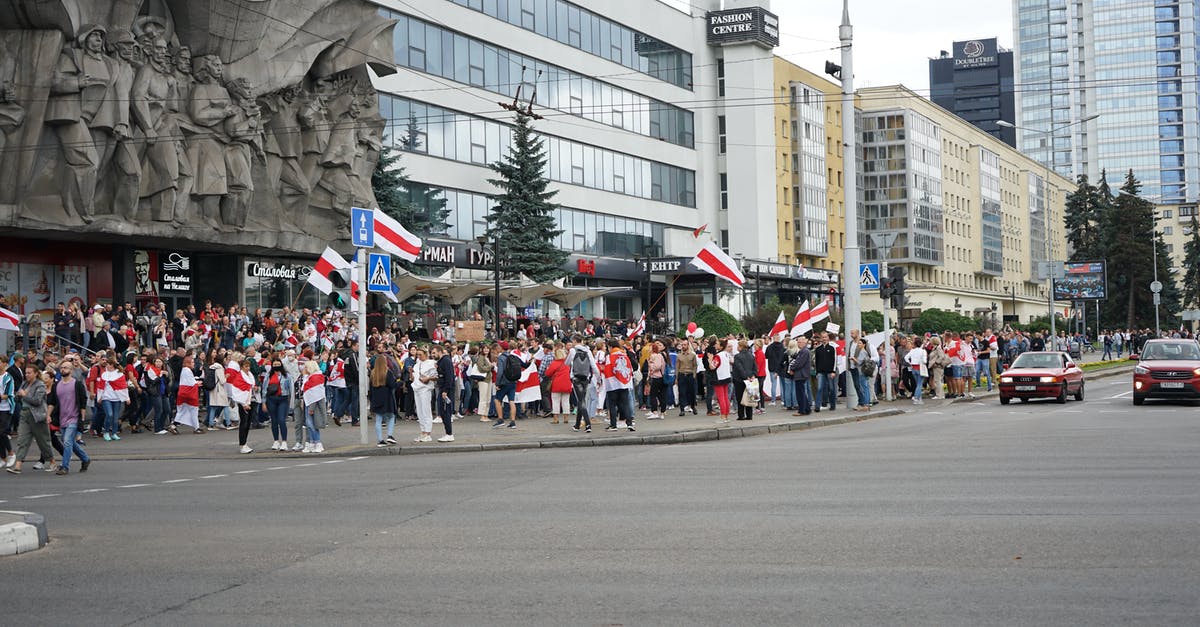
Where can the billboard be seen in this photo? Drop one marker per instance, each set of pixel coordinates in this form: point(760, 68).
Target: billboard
point(1082, 280)
point(975, 53)
point(754, 24)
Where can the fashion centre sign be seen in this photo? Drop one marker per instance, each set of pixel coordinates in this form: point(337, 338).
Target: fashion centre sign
point(751, 24)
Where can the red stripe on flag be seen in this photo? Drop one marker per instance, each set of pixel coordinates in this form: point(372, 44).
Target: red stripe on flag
point(718, 268)
point(396, 239)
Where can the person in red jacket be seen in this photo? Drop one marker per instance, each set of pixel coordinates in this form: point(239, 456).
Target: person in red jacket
point(559, 374)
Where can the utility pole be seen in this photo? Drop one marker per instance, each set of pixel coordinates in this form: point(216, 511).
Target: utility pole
point(850, 290)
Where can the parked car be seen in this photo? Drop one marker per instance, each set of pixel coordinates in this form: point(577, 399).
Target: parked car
point(1050, 374)
point(1167, 369)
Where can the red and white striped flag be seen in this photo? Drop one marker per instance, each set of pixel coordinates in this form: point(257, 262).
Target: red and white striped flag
point(819, 313)
point(115, 380)
point(696, 233)
point(313, 389)
point(330, 260)
point(713, 260)
point(240, 383)
point(780, 327)
point(638, 328)
point(9, 321)
point(395, 239)
point(802, 323)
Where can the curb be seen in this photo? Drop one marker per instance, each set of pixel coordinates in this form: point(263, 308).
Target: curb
point(25, 534)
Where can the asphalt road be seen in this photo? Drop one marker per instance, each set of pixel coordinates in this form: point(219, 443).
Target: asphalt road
point(1084, 513)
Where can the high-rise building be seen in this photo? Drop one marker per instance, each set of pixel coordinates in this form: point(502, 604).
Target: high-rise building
point(975, 81)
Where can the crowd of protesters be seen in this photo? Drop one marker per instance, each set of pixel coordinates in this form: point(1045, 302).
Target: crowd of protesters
point(292, 371)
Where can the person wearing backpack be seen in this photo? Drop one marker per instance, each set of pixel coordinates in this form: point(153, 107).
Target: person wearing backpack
point(509, 367)
point(585, 374)
point(218, 398)
point(864, 365)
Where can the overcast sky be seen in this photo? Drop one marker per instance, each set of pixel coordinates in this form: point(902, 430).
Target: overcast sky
point(893, 39)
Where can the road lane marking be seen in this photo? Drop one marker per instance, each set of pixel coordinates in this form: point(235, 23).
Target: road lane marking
point(1121, 395)
point(334, 461)
point(245, 472)
point(39, 496)
point(279, 467)
point(213, 476)
point(90, 491)
point(134, 485)
point(177, 481)
point(304, 465)
point(354, 459)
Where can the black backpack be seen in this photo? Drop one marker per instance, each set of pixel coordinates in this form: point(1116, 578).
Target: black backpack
point(513, 368)
point(210, 379)
point(581, 367)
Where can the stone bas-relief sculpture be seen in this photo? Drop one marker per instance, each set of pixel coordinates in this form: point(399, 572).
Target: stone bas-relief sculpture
point(247, 123)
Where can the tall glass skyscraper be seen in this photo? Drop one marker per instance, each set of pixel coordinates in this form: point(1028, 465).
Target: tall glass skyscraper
point(1133, 62)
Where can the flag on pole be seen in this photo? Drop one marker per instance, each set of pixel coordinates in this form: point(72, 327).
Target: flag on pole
point(713, 260)
point(638, 328)
point(780, 327)
point(801, 323)
point(330, 260)
point(819, 313)
point(696, 233)
point(395, 239)
point(9, 321)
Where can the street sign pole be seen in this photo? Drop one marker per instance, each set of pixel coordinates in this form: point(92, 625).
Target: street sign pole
point(850, 295)
point(362, 270)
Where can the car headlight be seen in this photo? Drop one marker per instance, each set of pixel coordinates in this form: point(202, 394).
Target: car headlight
point(1196, 371)
point(1141, 370)
point(1006, 379)
point(1049, 379)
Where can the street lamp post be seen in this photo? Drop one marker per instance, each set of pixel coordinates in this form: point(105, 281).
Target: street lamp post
point(483, 240)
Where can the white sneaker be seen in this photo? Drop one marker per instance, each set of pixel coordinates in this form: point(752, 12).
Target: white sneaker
point(275, 445)
point(308, 448)
point(427, 438)
point(319, 448)
point(437, 421)
point(162, 432)
point(298, 447)
point(38, 466)
point(446, 438)
point(246, 449)
point(283, 446)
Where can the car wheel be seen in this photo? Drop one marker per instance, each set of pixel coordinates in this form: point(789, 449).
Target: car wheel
point(1004, 400)
point(1079, 393)
point(1138, 400)
point(1062, 396)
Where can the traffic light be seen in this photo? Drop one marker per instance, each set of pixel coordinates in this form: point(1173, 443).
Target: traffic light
point(885, 288)
point(896, 276)
point(341, 296)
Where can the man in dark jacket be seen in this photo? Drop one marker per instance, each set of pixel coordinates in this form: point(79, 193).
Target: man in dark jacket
point(445, 391)
point(350, 372)
point(801, 370)
point(776, 368)
point(825, 365)
point(743, 370)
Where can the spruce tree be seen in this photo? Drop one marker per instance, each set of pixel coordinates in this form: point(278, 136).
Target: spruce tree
point(522, 218)
point(418, 207)
point(1190, 296)
point(1082, 218)
point(1126, 237)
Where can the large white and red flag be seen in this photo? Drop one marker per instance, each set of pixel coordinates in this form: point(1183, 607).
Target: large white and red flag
point(330, 260)
point(115, 380)
point(713, 260)
point(313, 389)
point(638, 328)
point(801, 324)
point(780, 327)
point(819, 313)
point(529, 388)
point(9, 321)
point(394, 238)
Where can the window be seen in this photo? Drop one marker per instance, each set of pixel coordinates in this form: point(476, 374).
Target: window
point(721, 77)
point(724, 191)
point(720, 134)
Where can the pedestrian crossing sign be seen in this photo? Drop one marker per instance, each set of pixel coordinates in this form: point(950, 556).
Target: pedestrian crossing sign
point(379, 277)
point(868, 276)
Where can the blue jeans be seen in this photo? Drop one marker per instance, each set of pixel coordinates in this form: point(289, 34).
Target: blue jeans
point(70, 445)
point(982, 370)
point(919, 380)
point(776, 393)
point(338, 404)
point(802, 388)
point(352, 403)
point(391, 425)
point(826, 388)
point(1107, 352)
point(214, 411)
point(314, 434)
point(112, 413)
point(157, 405)
point(277, 408)
point(862, 385)
point(789, 391)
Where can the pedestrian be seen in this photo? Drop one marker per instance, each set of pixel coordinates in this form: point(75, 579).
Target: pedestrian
point(382, 398)
point(558, 373)
point(655, 371)
point(938, 362)
point(424, 384)
point(187, 398)
point(239, 381)
point(585, 380)
point(278, 397)
point(509, 367)
point(113, 393)
point(721, 362)
point(760, 373)
point(743, 373)
point(918, 363)
point(7, 401)
point(34, 424)
point(618, 377)
point(154, 385)
point(800, 367)
point(445, 391)
point(786, 382)
point(218, 396)
point(66, 401)
point(313, 393)
point(686, 368)
point(861, 364)
point(824, 359)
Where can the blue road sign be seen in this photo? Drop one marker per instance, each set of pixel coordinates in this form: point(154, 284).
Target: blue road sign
point(379, 273)
point(362, 227)
point(868, 276)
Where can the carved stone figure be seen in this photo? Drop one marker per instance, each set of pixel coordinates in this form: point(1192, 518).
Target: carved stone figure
point(153, 91)
point(338, 186)
point(184, 129)
point(209, 107)
point(244, 130)
point(283, 121)
point(12, 114)
point(84, 115)
point(148, 29)
point(121, 167)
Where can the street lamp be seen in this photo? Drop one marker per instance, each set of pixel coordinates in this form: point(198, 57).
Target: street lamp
point(1049, 134)
point(483, 240)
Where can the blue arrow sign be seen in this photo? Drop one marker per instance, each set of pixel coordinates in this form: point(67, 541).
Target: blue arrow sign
point(379, 273)
point(362, 227)
point(868, 276)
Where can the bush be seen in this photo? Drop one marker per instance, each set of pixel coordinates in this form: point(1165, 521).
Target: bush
point(937, 320)
point(872, 321)
point(716, 321)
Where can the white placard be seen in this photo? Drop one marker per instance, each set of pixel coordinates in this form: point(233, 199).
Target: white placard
point(832, 328)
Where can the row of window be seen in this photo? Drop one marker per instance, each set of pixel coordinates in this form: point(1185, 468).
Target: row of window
point(452, 135)
point(425, 47)
point(580, 28)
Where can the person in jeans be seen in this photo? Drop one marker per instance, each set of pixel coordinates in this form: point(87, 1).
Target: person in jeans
point(66, 401)
point(445, 389)
point(685, 372)
point(112, 390)
point(917, 360)
point(744, 369)
point(313, 393)
point(7, 401)
point(776, 354)
point(278, 398)
point(786, 383)
point(506, 389)
point(800, 368)
point(861, 353)
point(382, 398)
point(32, 396)
point(824, 364)
point(656, 365)
point(584, 388)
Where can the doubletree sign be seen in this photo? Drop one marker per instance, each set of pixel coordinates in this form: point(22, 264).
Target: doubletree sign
point(753, 24)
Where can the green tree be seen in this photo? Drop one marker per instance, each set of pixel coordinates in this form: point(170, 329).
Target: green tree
point(1082, 218)
point(938, 320)
point(872, 321)
point(1190, 298)
point(715, 321)
point(1126, 223)
point(418, 207)
point(522, 219)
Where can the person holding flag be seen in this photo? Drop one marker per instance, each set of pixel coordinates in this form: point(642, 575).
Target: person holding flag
point(313, 393)
point(239, 380)
point(187, 398)
point(113, 393)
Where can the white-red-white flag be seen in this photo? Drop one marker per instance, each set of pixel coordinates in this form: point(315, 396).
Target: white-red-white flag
point(801, 324)
point(713, 260)
point(330, 260)
point(638, 328)
point(819, 313)
point(9, 321)
point(780, 327)
point(394, 238)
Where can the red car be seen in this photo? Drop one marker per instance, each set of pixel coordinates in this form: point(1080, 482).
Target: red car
point(1041, 375)
point(1167, 369)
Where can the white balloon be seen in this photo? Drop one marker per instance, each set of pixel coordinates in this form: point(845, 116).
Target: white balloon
point(699, 332)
